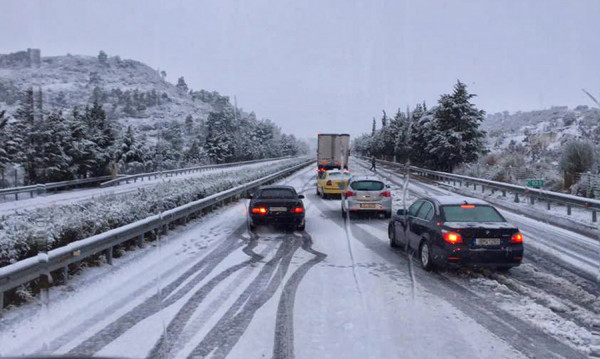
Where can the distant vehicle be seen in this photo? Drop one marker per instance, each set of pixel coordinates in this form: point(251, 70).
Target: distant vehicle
point(333, 151)
point(332, 183)
point(367, 194)
point(277, 205)
point(457, 231)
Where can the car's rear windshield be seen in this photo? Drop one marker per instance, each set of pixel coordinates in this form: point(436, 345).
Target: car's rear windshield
point(335, 174)
point(277, 193)
point(367, 185)
point(471, 213)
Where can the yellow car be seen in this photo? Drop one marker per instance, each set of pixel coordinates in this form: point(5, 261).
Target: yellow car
point(332, 182)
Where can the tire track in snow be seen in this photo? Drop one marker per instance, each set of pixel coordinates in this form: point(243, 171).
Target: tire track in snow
point(226, 333)
point(158, 301)
point(166, 344)
point(284, 324)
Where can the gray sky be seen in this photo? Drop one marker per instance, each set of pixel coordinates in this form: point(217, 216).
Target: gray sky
point(330, 66)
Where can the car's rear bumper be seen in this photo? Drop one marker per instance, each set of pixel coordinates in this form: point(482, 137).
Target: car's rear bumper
point(380, 206)
point(332, 190)
point(510, 256)
point(276, 219)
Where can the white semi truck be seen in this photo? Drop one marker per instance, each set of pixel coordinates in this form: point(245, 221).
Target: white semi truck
point(333, 151)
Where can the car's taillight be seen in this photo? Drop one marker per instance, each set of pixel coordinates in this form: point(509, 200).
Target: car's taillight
point(329, 183)
point(385, 194)
point(350, 194)
point(451, 237)
point(259, 210)
point(516, 238)
point(297, 210)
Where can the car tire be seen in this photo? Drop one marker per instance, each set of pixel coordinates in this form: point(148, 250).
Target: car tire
point(252, 227)
point(392, 236)
point(388, 215)
point(425, 256)
point(503, 269)
point(301, 227)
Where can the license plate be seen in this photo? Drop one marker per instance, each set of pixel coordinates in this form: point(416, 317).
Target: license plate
point(487, 241)
point(277, 209)
point(368, 205)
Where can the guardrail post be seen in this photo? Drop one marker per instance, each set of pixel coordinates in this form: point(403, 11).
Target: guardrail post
point(482, 188)
point(165, 229)
point(493, 190)
point(1, 302)
point(531, 199)
point(568, 209)
point(516, 198)
point(140, 241)
point(548, 205)
point(108, 253)
point(134, 179)
point(474, 186)
point(594, 216)
point(503, 193)
point(65, 273)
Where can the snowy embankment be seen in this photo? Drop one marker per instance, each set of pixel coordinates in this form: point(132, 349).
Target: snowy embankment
point(24, 235)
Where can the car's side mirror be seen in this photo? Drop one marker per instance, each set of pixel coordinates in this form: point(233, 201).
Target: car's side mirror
point(401, 212)
point(387, 186)
point(300, 196)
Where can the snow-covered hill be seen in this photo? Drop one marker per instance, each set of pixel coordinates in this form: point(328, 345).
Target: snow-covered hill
point(131, 91)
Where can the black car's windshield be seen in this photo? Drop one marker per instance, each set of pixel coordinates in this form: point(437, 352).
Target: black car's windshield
point(471, 213)
point(367, 186)
point(277, 194)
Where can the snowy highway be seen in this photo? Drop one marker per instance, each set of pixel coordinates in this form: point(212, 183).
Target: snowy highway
point(336, 290)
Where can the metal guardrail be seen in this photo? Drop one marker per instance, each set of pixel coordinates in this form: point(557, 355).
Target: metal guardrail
point(169, 173)
point(534, 194)
point(43, 187)
point(33, 268)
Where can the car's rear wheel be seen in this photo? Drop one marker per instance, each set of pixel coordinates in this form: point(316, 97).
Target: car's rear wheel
point(392, 236)
point(388, 214)
point(302, 226)
point(503, 269)
point(252, 227)
point(425, 256)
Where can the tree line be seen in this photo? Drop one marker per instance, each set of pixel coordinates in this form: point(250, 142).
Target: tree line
point(86, 142)
point(439, 138)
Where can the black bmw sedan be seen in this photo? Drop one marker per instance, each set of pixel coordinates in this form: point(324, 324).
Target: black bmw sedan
point(277, 205)
point(457, 231)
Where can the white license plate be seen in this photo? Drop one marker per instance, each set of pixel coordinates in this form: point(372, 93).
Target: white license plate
point(368, 205)
point(277, 209)
point(487, 241)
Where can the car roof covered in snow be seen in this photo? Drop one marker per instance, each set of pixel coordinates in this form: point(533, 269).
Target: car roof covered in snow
point(280, 186)
point(365, 178)
point(445, 200)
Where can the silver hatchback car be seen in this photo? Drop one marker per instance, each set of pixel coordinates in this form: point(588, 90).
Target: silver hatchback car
point(367, 194)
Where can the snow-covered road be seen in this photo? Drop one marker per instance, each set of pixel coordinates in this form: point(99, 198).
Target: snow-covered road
point(336, 290)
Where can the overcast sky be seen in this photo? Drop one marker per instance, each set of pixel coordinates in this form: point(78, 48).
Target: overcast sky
point(330, 66)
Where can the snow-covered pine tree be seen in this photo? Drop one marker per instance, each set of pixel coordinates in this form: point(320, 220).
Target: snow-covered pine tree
point(26, 133)
point(219, 139)
point(454, 135)
point(55, 138)
point(181, 85)
point(417, 141)
point(80, 147)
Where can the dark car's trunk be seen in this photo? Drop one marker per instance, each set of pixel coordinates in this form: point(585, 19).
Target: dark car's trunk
point(476, 234)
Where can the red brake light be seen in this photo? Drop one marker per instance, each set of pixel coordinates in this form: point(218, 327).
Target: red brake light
point(350, 194)
point(329, 183)
point(259, 210)
point(298, 210)
point(516, 238)
point(386, 194)
point(467, 206)
point(452, 237)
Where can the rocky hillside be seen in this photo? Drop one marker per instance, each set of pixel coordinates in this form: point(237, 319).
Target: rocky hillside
point(129, 90)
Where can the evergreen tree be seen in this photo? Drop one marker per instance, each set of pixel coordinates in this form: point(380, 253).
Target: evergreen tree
point(81, 149)
point(130, 154)
point(454, 136)
point(53, 150)
point(219, 144)
point(189, 125)
point(417, 140)
point(181, 85)
point(102, 57)
point(27, 137)
point(4, 157)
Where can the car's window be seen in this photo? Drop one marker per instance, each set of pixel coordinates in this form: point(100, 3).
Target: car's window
point(412, 210)
point(335, 175)
point(471, 213)
point(277, 193)
point(367, 185)
point(426, 211)
point(322, 175)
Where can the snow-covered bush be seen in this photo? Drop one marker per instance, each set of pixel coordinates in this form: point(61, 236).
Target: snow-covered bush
point(22, 235)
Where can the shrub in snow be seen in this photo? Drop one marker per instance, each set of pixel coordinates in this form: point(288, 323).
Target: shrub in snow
point(20, 234)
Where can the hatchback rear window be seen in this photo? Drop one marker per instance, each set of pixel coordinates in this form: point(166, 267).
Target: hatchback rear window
point(367, 186)
point(335, 175)
point(277, 193)
point(471, 213)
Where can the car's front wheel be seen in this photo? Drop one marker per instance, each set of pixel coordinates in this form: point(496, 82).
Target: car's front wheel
point(425, 256)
